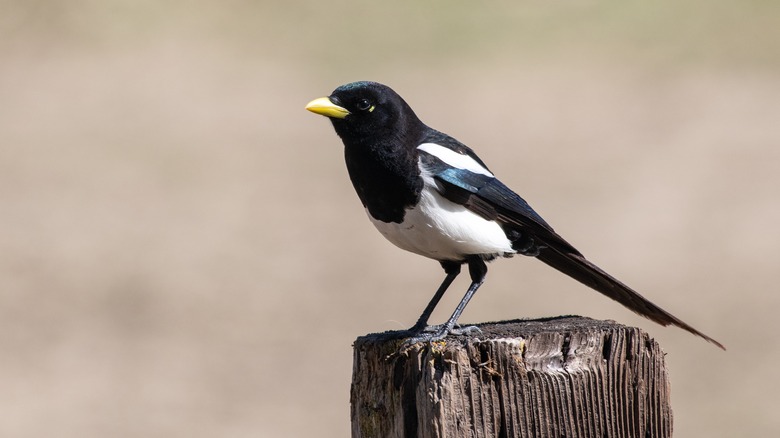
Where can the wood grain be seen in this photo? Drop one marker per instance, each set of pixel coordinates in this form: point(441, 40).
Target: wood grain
point(558, 377)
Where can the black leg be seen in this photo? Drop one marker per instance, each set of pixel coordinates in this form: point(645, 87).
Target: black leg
point(478, 271)
point(452, 269)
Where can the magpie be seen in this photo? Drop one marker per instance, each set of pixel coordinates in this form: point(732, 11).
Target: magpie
point(430, 194)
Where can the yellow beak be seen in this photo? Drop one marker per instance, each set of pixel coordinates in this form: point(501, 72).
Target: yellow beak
point(324, 107)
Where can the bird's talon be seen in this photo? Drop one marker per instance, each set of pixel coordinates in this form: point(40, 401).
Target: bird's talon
point(433, 333)
point(432, 328)
point(456, 330)
point(466, 330)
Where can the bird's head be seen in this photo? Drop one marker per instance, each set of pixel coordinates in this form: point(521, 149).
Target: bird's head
point(360, 110)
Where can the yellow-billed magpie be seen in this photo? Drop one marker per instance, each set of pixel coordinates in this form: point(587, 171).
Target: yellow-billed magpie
point(430, 194)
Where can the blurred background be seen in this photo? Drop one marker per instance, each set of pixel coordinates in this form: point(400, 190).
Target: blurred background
point(182, 253)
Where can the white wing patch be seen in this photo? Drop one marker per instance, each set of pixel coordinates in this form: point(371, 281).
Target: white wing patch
point(454, 159)
point(443, 230)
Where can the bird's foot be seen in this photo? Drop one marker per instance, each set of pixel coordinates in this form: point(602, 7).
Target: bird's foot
point(433, 328)
point(434, 333)
point(466, 330)
point(456, 330)
point(425, 337)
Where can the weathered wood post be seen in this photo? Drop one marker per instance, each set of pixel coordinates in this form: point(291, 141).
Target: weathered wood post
point(557, 377)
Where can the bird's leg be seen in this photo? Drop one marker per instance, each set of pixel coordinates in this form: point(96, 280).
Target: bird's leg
point(478, 271)
point(452, 269)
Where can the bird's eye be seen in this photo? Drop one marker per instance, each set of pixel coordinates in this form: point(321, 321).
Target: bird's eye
point(364, 105)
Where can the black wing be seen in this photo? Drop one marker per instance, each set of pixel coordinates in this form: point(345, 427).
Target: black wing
point(491, 199)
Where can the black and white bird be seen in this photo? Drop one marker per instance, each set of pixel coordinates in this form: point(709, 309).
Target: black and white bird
point(430, 194)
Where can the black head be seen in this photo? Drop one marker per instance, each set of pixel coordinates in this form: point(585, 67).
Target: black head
point(366, 110)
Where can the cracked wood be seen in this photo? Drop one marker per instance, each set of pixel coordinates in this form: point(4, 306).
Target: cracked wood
point(556, 377)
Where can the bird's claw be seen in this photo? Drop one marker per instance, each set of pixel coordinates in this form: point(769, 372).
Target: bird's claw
point(467, 330)
point(434, 333)
point(456, 330)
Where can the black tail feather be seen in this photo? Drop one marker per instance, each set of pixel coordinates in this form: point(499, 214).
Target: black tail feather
point(578, 267)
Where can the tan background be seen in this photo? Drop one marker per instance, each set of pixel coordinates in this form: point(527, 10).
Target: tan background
point(181, 252)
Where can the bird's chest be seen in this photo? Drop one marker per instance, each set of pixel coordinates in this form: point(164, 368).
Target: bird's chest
point(386, 185)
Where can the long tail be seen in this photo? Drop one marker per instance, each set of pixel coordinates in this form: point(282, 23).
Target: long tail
point(578, 267)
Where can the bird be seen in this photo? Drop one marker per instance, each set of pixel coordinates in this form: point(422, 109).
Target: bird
point(430, 194)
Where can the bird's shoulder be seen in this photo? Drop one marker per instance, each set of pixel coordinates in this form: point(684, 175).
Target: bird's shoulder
point(432, 136)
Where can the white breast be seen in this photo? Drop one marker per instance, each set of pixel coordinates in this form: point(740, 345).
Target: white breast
point(443, 230)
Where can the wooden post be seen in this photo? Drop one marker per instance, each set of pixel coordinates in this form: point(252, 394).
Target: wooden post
point(557, 377)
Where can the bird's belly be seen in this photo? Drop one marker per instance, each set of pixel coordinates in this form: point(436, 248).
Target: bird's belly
point(443, 230)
